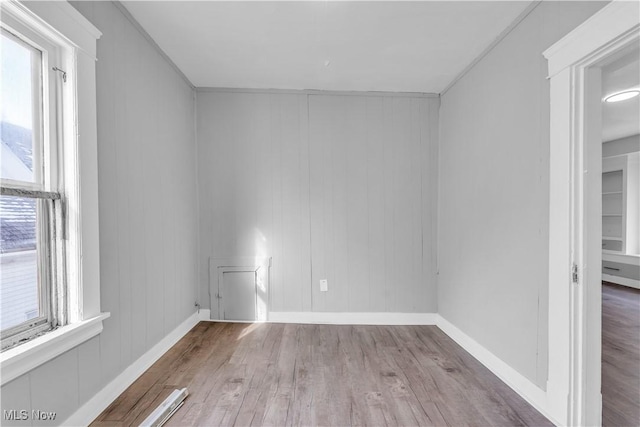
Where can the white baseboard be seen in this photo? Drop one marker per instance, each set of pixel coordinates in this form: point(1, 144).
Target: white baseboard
point(329, 318)
point(353, 318)
point(621, 281)
point(204, 315)
point(98, 403)
point(533, 394)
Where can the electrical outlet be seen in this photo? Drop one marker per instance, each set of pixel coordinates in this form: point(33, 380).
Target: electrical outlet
point(324, 287)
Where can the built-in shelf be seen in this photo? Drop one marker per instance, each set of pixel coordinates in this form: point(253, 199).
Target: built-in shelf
point(609, 252)
point(613, 204)
point(620, 219)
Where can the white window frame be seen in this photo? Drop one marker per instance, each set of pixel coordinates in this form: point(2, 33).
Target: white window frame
point(46, 188)
point(75, 36)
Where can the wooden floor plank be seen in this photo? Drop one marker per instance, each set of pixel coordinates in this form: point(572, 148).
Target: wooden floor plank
point(324, 375)
point(620, 355)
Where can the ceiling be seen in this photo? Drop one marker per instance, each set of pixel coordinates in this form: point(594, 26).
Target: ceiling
point(621, 119)
point(328, 45)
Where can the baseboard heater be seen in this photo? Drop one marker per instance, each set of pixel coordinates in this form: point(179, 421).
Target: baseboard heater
point(167, 408)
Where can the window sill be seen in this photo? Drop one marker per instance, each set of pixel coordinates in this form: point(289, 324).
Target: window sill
point(19, 360)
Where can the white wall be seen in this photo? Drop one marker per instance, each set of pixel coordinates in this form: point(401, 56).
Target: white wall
point(253, 184)
point(493, 194)
point(621, 146)
point(633, 203)
point(148, 218)
point(339, 185)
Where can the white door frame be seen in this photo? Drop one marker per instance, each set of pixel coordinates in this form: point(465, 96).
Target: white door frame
point(573, 387)
point(260, 266)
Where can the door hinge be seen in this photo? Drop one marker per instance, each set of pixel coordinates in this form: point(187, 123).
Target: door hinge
point(574, 273)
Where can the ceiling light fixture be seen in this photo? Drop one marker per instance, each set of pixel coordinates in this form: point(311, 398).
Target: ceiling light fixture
point(622, 96)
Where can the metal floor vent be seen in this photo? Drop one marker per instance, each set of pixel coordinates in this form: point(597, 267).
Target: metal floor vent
point(167, 408)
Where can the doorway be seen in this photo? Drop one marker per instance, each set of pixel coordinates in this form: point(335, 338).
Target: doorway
point(575, 209)
point(621, 238)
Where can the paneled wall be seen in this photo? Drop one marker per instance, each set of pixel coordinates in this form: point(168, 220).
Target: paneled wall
point(494, 193)
point(370, 158)
point(148, 218)
point(336, 187)
point(253, 168)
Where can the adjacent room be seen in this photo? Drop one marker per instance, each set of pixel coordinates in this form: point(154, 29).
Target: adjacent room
point(620, 240)
point(320, 213)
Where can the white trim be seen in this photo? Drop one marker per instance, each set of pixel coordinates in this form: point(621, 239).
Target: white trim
point(316, 92)
point(218, 266)
point(329, 318)
point(204, 315)
point(533, 394)
point(101, 400)
point(63, 25)
point(573, 388)
point(19, 360)
point(60, 18)
point(621, 281)
point(611, 22)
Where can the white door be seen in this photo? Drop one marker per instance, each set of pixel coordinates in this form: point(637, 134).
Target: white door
point(238, 296)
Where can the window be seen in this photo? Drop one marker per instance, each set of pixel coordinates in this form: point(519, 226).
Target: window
point(49, 252)
point(31, 247)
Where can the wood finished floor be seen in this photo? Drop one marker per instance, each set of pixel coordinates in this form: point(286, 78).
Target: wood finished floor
point(324, 375)
point(620, 355)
